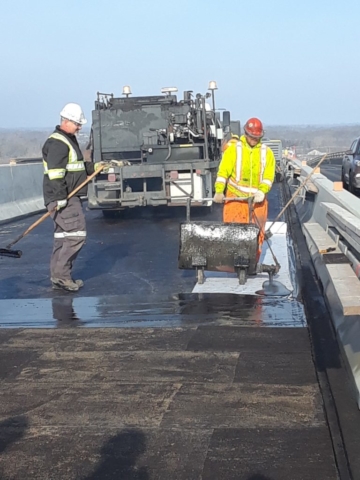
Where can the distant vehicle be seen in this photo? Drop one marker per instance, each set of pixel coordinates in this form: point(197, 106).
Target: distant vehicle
point(171, 147)
point(350, 171)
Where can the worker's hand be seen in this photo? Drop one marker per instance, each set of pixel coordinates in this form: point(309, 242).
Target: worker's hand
point(120, 163)
point(61, 204)
point(219, 198)
point(97, 165)
point(259, 196)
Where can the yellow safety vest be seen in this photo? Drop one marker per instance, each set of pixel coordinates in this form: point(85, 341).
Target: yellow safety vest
point(246, 169)
point(73, 165)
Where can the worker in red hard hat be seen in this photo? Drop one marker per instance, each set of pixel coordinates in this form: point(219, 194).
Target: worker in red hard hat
point(247, 170)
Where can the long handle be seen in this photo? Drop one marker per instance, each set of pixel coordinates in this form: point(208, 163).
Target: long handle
point(226, 199)
point(295, 194)
point(47, 214)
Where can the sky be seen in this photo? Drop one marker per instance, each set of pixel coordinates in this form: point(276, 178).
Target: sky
point(286, 62)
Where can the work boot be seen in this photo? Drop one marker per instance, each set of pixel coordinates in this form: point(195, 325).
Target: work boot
point(69, 285)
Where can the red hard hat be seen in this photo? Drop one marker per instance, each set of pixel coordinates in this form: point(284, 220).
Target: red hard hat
point(254, 128)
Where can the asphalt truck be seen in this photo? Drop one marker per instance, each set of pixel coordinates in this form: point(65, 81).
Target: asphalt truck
point(161, 150)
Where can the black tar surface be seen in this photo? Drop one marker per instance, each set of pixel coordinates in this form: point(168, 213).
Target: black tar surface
point(215, 397)
point(212, 402)
point(136, 254)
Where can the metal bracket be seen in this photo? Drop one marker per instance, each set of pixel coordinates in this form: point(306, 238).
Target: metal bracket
point(198, 261)
point(270, 269)
point(241, 262)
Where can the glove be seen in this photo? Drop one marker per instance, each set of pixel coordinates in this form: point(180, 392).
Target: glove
point(219, 198)
point(259, 196)
point(120, 163)
point(97, 165)
point(61, 204)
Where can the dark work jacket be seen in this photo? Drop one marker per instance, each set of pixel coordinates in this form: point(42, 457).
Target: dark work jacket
point(56, 154)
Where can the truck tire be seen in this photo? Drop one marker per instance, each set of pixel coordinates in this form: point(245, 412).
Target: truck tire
point(352, 189)
point(345, 185)
point(279, 177)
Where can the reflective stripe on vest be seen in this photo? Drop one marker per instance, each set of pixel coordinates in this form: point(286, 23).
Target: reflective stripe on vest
point(72, 152)
point(241, 188)
point(54, 173)
point(239, 149)
point(73, 164)
point(263, 162)
point(220, 180)
point(238, 161)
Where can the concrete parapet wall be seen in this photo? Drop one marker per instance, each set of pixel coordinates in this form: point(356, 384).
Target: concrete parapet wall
point(339, 288)
point(20, 190)
point(312, 211)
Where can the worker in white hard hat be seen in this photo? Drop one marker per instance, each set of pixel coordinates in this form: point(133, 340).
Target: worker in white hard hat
point(64, 170)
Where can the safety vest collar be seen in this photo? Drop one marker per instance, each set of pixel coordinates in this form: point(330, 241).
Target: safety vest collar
point(73, 165)
point(72, 152)
point(245, 144)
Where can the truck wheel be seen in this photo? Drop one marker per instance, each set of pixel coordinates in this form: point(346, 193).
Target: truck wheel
point(345, 185)
point(278, 177)
point(352, 189)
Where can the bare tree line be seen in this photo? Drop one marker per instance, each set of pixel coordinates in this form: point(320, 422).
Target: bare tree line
point(25, 143)
point(309, 137)
point(28, 143)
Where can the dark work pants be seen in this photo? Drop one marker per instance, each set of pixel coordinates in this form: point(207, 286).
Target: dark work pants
point(69, 237)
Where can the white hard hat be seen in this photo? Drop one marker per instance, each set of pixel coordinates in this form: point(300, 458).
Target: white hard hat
point(73, 111)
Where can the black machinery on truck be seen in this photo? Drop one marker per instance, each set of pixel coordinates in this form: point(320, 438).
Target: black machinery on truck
point(163, 150)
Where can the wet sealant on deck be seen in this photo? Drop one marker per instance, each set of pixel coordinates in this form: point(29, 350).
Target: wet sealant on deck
point(180, 310)
point(219, 301)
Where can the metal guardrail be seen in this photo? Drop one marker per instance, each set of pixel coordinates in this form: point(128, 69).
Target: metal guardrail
point(347, 224)
point(329, 158)
point(23, 161)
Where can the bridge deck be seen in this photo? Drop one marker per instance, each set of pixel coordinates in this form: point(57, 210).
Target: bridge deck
point(213, 394)
point(205, 402)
